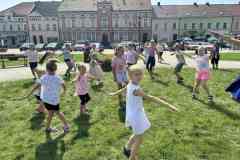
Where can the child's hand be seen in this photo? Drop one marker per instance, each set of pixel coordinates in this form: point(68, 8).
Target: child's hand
point(111, 94)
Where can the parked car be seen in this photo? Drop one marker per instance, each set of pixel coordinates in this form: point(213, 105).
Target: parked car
point(79, 47)
point(40, 47)
point(26, 46)
point(54, 46)
point(67, 43)
point(99, 46)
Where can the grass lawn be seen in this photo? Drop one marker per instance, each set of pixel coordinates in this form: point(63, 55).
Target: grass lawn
point(198, 131)
point(230, 56)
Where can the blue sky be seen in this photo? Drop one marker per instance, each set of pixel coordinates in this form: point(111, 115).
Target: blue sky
point(8, 3)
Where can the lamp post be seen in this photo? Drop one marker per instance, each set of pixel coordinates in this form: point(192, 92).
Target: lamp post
point(139, 30)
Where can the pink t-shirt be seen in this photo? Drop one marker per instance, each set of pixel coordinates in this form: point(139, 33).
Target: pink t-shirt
point(119, 64)
point(131, 57)
point(82, 85)
point(152, 51)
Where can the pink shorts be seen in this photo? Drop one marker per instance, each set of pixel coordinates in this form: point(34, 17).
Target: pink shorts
point(203, 75)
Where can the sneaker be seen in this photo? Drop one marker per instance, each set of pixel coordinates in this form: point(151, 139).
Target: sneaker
point(50, 130)
point(126, 152)
point(210, 99)
point(66, 129)
point(194, 97)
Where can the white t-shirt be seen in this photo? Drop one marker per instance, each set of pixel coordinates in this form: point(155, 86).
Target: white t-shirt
point(180, 56)
point(51, 88)
point(32, 56)
point(135, 114)
point(202, 62)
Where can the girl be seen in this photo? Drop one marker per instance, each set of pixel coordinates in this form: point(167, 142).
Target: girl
point(202, 73)
point(131, 56)
point(119, 70)
point(32, 56)
point(151, 59)
point(135, 114)
point(180, 62)
point(51, 84)
point(160, 53)
point(95, 69)
point(215, 56)
point(81, 85)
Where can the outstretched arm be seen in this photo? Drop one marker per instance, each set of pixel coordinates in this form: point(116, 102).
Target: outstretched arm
point(154, 99)
point(35, 87)
point(118, 92)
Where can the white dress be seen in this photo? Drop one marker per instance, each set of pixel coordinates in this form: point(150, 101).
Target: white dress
point(135, 114)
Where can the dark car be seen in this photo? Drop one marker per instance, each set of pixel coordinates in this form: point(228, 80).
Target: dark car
point(54, 46)
point(40, 47)
point(26, 46)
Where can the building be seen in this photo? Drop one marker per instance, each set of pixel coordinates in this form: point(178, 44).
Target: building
point(105, 20)
point(171, 22)
point(14, 25)
point(43, 22)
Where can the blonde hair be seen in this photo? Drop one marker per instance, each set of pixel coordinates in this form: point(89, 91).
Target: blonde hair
point(136, 68)
point(81, 66)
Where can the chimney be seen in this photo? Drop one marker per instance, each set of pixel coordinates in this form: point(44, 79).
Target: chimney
point(159, 4)
point(208, 4)
point(195, 4)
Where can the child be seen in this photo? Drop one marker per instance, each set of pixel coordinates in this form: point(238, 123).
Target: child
point(119, 70)
point(180, 62)
point(202, 73)
point(135, 114)
point(95, 69)
point(68, 59)
point(160, 52)
point(51, 84)
point(81, 85)
point(32, 56)
point(131, 56)
point(215, 56)
point(151, 59)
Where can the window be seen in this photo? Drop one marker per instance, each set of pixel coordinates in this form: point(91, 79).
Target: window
point(174, 26)
point(115, 35)
point(73, 23)
point(116, 23)
point(92, 22)
point(54, 27)
point(193, 26)
point(4, 27)
point(237, 25)
point(39, 27)
point(156, 26)
point(209, 25)
point(19, 27)
point(33, 27)
point(104, 21)
point(217, 25)
point(41, 39)
point(25, 27)
point(48, 27)
point(201, 26)
point(11, 27)
point(93, 36)
point(165, 26)
point(185, 26)
point(225, 25)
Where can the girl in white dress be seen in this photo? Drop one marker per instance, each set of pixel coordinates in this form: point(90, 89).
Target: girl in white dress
point(136, 118)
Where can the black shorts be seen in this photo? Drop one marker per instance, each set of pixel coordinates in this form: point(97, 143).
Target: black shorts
point(38, 98)
point(33, 65)
point(51, 107)
point(67, 60)
point(84, 99)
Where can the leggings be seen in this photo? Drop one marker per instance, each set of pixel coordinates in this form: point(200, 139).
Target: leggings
point(151, 63)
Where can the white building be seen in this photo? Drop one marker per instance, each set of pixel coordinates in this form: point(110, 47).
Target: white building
point(43, 22)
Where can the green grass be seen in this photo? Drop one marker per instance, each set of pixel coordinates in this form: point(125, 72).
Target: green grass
point(198, 131)
point(230, 56)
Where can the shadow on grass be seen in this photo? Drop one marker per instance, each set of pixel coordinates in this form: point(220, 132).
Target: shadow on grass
point(188, 87)
point(83, 123)
point(37, 121)
point(160, 82)
point(222, 109)
point(28, 84)
point(52, 149)
point(225, 70)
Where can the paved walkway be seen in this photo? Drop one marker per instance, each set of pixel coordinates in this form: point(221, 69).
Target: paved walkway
point(14, 74)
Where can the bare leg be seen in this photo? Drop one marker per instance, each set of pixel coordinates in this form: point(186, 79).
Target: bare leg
point(135, 147)
point(34, 73)
point(205, 87)
point(195, 88)
point(62, 118)
point(130, 142)
point(49, 119)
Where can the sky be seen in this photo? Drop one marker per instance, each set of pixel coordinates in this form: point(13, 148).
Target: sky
point(4, 4)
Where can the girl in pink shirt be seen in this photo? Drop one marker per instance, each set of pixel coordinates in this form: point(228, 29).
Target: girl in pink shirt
point(81, 87)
